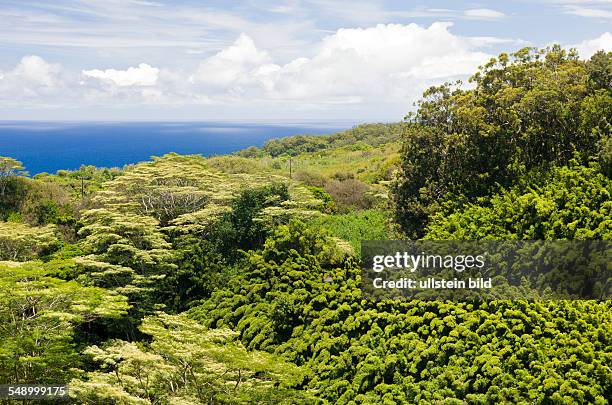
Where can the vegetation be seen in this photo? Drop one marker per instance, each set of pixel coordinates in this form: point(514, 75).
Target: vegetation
point(358, 138)
point(185, 363)
point(529, 111)
point(363, 351)
point(236, 279)
point(357, 226)
point(568, 203)
point(41, 317)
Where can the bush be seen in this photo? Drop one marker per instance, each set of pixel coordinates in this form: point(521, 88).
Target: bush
point(569, 203)
point(327, 203)
point(311, 179)
point(47, 203)
point(342, 176)
point(350, 194)
point(529, 110)
point(357, 226)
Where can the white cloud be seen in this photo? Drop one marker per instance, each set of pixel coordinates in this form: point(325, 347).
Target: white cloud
point(588, 12)
point(588, 47)
point(32, 78)
point(483, 14)
point(352, 69)
point(232, 66)
point(388, 61)
point(143, 75)
point(384, 64)
point(35, 70)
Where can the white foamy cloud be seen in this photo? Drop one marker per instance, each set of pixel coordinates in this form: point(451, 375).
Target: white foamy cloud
point(383, 67)
point(143, 75)
point(587, 48)
point(231, 67)
point(31, 78)
point(483, 14)
point(351, 65)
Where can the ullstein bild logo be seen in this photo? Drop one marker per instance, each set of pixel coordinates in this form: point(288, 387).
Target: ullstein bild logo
point(485, 270)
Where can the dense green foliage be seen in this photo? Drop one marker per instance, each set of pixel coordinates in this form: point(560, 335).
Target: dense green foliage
point(39, 315)
point(158, 235)
point(528, 111)
point(236, 279)
point(356, 138)
point(569, 203)
point(409, 352)
point(357, 226)
point(185, 363)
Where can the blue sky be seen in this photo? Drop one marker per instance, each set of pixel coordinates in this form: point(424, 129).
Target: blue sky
point(264, 60)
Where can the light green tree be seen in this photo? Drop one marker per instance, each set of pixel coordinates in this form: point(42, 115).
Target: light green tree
point(185, 363)
point(38, 318)
point(20, 242)
point(9, 168)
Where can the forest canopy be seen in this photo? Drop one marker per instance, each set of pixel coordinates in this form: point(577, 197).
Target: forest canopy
point(236, 279)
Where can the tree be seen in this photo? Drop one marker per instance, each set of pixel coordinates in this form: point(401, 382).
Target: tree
point(186, 363)
point(38, 318)
point(391, 351)
point(568, 203)
point(528, 111)
point(9, 168)
point(20, 242)
point(599, 68)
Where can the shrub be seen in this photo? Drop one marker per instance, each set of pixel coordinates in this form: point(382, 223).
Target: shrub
point(355, 227)
point(532, 109)
point(569, 203)
point(311, 179)
point(327, 203)
point(350, 194)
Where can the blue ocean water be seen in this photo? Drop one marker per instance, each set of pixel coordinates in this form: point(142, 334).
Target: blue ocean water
point(51, 146)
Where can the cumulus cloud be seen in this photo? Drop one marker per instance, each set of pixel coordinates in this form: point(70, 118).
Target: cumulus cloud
point(483, 14)
point(32, 78)
point(231, 67)
point(351, 65)
point(588, 47)
point(357, 68)
point(143, 75)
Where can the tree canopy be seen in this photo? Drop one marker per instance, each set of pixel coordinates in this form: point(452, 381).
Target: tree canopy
point(528, 111)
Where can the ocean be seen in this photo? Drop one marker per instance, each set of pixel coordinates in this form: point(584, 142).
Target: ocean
point(51, 146)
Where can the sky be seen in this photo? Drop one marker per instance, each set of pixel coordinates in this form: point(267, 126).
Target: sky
point(357, 60)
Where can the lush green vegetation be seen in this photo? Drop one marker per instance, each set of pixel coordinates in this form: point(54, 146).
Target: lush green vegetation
point(567, 203)
point(529, 111)
point(357, 226)
point(236, 279)
point(357, 138)
point(361, 351)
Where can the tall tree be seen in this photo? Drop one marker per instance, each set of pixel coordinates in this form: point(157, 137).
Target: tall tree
point(9, 168)
point(528, 111)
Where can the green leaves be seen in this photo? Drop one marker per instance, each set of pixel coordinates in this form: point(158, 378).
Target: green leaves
point(186, 363)
point(529, 111)
point(408, 352)
point(9, 168)
point(39, 315)
point(20, 242)
point(569, 203)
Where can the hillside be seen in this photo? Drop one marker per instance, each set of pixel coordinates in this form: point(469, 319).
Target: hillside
point(237, 279)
